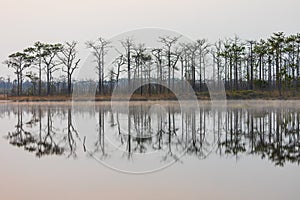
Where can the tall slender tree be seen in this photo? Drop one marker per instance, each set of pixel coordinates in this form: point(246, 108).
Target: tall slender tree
point(68, 58)
point(172, 55)
point(128, 45)
point(50, 52)
point(99, 49)
point(19, 62)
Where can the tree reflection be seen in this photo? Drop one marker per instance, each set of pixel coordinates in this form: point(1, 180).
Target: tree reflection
point(99, 145)
point(38, 134)
point(41, 143)
point(270, 133)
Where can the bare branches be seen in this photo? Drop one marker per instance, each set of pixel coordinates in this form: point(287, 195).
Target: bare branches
point(118, 62)
point(171, 56)
point(99, 49)
point(68, 58)
point(169, 41)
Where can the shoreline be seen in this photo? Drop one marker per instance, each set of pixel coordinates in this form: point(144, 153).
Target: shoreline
point(203, 96)
point(22, 99)
point(231, 104)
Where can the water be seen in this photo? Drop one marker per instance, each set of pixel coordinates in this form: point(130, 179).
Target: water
point(156, 150)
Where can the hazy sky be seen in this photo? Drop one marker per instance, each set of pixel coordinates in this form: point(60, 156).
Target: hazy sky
point(25, 21)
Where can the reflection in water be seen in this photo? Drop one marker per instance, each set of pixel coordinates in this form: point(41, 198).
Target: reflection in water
point(41, 142)
point(271, 133)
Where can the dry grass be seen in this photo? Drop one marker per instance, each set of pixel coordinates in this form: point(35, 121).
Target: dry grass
point(231, 95)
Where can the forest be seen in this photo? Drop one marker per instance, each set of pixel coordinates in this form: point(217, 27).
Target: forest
point(248, 68)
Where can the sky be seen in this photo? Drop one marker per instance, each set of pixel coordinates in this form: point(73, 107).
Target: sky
point(24, 22)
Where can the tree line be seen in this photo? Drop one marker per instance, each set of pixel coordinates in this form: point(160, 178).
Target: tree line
point(271, 64)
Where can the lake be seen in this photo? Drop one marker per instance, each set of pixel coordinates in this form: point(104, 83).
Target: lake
point(150, 150)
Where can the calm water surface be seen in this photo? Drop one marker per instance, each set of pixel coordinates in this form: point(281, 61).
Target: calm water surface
point(250, 150)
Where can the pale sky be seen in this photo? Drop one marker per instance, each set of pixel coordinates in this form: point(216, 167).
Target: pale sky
point(24, 22)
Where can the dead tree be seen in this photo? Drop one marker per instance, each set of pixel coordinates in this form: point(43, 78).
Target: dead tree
point(99, 49)
point(158, 59)
point(128, 47)
point(118, 63)
point(171, 56)
point(68, 58)
point(203, 50)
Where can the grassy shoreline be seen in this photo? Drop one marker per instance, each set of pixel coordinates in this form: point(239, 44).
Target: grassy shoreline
point(231, 95)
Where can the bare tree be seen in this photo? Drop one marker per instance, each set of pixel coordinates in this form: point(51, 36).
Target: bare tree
point(171, 56)
point(157, 53)
point(203, 49)
point(68, 58)
point(99, 50)
point(215, 52)
point(140, 58)
point(118, 63)
point(128, 47)
point(190, 50)
point(250, 75)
